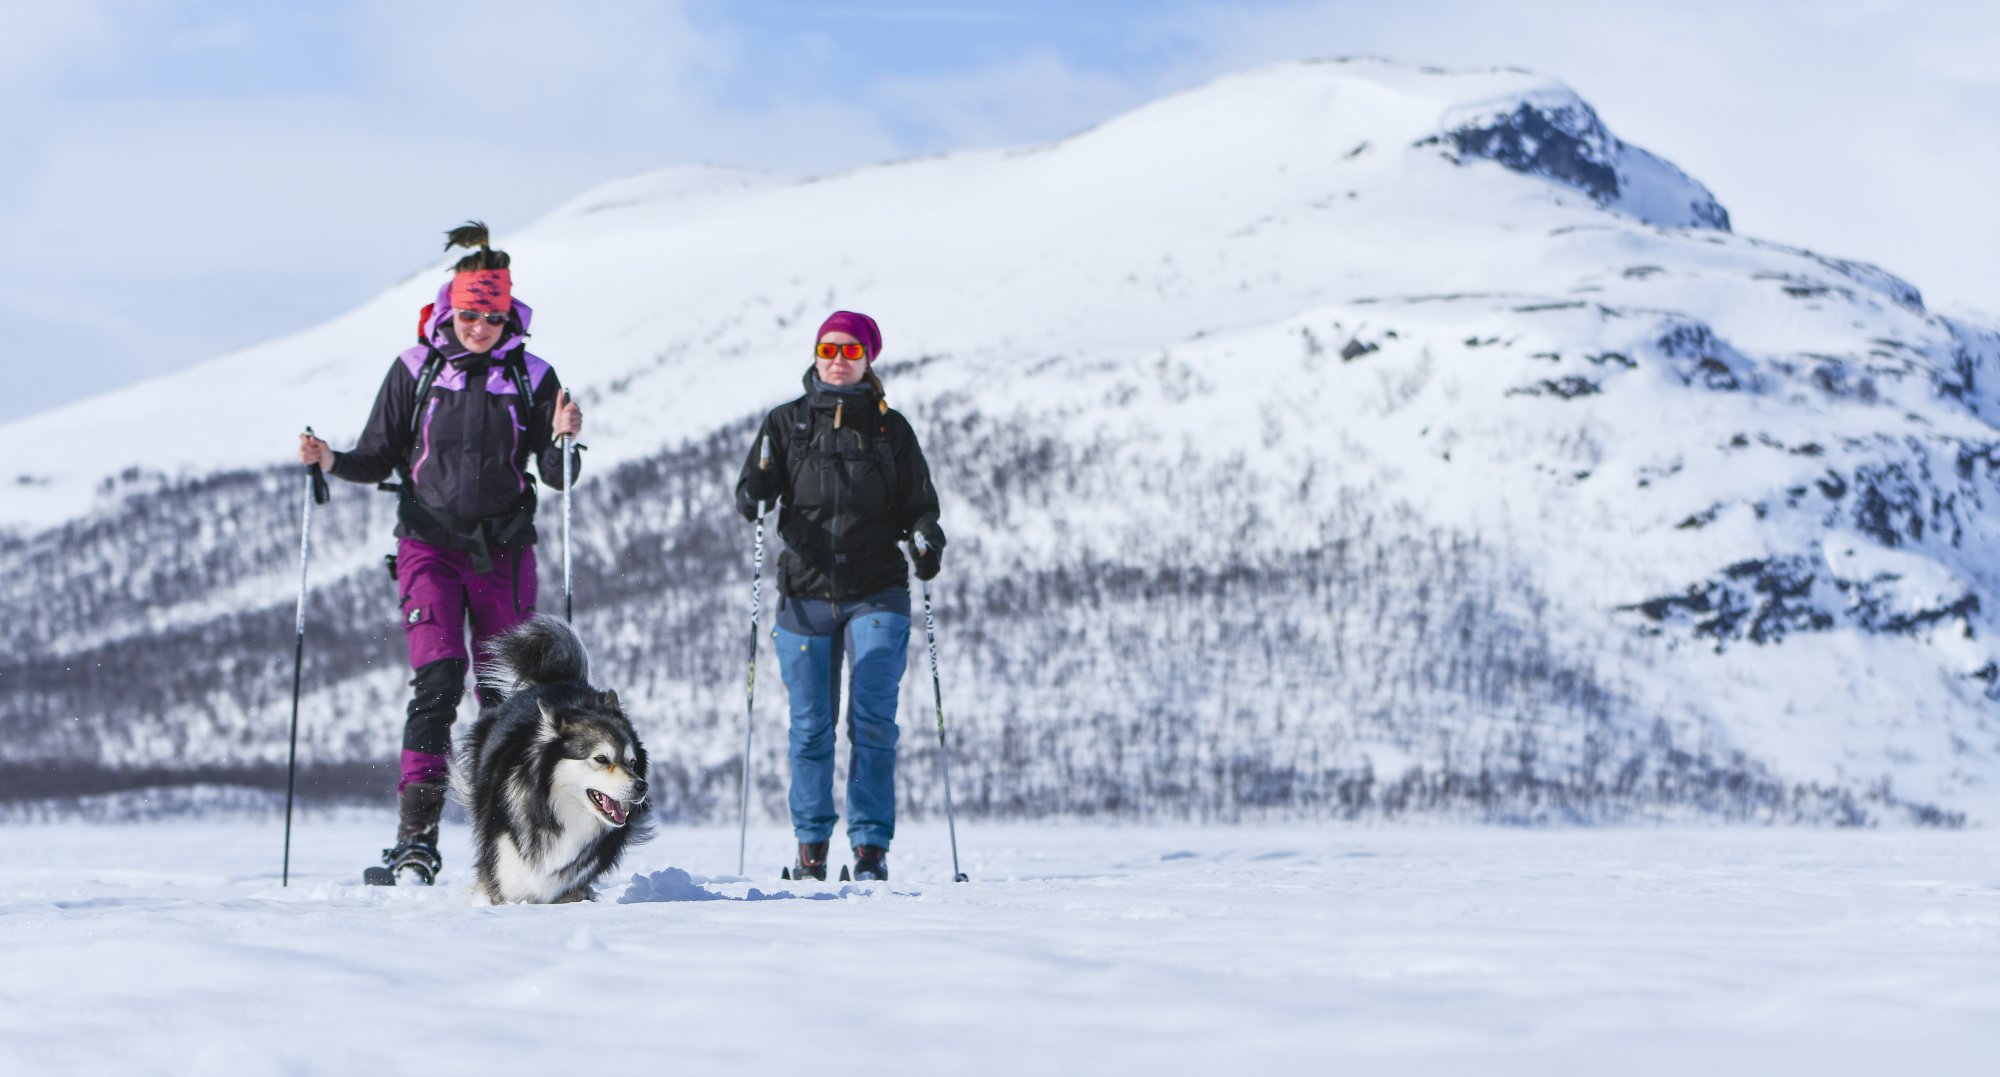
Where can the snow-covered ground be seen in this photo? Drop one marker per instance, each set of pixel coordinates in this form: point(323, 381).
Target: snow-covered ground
point(170, 948)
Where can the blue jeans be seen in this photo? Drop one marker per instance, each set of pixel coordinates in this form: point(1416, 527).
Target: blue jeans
point(811, 639)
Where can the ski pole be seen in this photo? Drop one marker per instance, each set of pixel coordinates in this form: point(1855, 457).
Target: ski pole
point(315, 491)
point(937, 692)
point(750, 692)
point(569, 485)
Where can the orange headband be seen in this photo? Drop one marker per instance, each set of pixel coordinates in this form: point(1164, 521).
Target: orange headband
point(490, 290)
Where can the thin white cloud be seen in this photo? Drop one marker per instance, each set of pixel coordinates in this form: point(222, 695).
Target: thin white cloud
point(1034, 96)
point(1858, 127)
point(211, 222)
point(222, 35)
point(39, 39)
point(882, 13)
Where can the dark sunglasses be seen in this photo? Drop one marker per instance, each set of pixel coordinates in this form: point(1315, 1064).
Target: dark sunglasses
point(827, 350)
point(470, 316)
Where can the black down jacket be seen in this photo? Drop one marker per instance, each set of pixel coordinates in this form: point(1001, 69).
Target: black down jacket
point(853, 483)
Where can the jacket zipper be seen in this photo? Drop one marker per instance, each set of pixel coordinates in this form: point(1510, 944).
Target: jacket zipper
point(479, 457)
point(514, 450)
point(430, 415)
point(839, 472)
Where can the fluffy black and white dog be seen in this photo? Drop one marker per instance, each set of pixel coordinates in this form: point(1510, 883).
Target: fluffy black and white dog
point(553, 777)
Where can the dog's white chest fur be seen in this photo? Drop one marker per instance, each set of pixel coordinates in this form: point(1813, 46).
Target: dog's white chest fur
point(544, 878)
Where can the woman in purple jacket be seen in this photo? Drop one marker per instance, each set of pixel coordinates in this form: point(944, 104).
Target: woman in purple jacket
point(460, 417)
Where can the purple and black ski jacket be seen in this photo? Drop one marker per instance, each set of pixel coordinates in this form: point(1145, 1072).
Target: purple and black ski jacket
point(465, 470)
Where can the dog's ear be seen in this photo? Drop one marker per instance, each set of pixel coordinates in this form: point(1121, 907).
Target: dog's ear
point(609, 700)
point(550, 728)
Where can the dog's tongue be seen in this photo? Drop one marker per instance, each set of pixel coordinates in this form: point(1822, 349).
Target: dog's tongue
point(612, 809)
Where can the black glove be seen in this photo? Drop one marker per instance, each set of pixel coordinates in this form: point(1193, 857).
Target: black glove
point(759, 485)
point(927, 548)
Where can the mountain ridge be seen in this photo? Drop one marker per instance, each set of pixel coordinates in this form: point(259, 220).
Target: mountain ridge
point(1283, 346)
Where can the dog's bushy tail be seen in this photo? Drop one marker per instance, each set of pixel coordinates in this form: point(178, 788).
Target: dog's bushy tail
point(544, 650)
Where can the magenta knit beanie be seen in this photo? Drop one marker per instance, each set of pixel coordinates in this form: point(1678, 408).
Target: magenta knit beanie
point(859, 326)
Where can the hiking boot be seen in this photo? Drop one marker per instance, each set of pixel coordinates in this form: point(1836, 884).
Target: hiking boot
point(415, 857)
point(416, 862)
point(812, 861)
point(418, 808)
point(871, 862)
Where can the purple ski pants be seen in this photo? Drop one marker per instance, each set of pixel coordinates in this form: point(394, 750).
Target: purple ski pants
point(440, 593)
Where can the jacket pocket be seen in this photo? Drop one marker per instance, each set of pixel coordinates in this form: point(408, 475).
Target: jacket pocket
point(869, 483)
point(415, 613)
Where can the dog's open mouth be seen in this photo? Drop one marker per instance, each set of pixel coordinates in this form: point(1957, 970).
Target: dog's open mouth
point(607, 807)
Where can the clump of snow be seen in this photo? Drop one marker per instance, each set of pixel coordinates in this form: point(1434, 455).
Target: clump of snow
point(672, 884)
point(676, 884)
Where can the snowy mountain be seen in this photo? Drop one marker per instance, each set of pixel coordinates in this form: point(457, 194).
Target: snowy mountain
point(1339, 438)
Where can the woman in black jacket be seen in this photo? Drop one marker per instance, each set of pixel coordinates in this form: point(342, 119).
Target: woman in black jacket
point(853, 484)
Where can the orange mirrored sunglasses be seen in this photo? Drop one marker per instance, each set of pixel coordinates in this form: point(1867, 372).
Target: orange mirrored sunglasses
point(827, 350)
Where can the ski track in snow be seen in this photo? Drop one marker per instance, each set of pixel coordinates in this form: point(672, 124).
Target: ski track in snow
point(170, 948)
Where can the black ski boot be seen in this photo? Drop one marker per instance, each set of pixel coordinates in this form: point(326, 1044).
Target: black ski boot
point(812, 862)
point(417, 861)
point(420, 805)
point(871, 863)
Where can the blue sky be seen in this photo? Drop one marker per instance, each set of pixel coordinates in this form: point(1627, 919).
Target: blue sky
point(183, 178)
